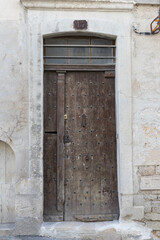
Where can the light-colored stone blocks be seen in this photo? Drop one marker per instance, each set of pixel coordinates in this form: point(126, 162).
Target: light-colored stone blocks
point(156, 206)
point(158, 170)
point(138, 200)
point(27, 226)
point(138, 213)
point(135, 213)
point(147, 207)
point(28, 206)
point(155, 225)
point(147, 170)
point(150, 183)
point(152, 216)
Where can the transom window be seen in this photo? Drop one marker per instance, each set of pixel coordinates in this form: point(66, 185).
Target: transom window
point(79, 51)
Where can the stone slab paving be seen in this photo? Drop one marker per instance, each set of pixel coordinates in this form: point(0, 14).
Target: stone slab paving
point(33, 238)
point(114, 230)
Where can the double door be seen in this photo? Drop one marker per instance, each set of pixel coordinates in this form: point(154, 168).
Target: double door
point(80, 166)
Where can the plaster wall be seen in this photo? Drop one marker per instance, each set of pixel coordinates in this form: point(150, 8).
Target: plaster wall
point(137, 104)
point(146, 116)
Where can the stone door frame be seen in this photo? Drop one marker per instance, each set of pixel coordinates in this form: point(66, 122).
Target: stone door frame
point(59, 22)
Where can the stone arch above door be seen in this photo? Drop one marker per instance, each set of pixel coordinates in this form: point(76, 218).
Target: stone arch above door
point(7, 184)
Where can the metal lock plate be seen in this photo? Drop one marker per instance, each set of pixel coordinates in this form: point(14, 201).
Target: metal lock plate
point(66, 139)
point(65, 116)
point(83, 120)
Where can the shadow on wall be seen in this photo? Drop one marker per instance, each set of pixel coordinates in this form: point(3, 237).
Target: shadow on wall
point(7, 184)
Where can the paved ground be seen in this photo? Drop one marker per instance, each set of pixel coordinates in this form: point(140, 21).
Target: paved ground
point(33, 238)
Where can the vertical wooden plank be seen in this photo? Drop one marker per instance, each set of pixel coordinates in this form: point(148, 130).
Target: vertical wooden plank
point(50, 101)
point(95, 142)
point(83, 162)
point(70, 150)
point(60, 140)
point(50, 179)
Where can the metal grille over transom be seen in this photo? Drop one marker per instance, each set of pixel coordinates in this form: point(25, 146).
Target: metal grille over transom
point(81, 50)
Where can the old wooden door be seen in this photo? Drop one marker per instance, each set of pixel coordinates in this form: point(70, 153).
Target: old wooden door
point(80, 166)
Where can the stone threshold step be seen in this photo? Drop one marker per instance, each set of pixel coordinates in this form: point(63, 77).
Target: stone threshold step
point(6, 230)
point(33, 238)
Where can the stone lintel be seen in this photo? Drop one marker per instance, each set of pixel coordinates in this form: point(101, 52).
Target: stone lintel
point(77, 5)
point(147, 2)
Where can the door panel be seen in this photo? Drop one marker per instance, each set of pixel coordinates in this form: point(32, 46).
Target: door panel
point(90, 164)
point(80, 169)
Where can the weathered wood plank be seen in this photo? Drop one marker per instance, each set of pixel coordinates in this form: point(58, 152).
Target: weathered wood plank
point(60, 140)
point(96, 218)
point(70, 160)
point(50, 101)
point(91, 168)
point(50, 178)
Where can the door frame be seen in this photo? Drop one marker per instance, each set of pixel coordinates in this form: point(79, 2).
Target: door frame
point(124, 100)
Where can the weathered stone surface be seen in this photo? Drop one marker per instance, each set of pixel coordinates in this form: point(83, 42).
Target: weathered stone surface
point(158, 170)
point(29, 186)
point(109, 234)
point(92, 4)
point(155, 225)
point(150, 183)
point(27, 226)
point(149, 196)
point(101, 230)
point(147, 207)
point(126, 201)
point(156, 206)
point(156, 234)
point(7, 230)
point(147, 170)
point(152, 216)
point(28, 206)
point(138, 213)
point(138, 200)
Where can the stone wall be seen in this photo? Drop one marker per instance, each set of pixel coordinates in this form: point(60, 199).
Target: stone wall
point(146, 116)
